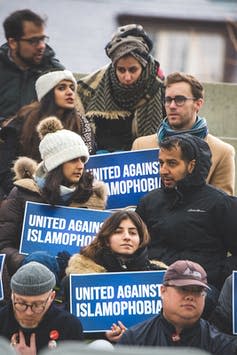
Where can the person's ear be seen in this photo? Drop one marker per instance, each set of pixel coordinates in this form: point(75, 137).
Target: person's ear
point(191, 166)
point(162, 291)
point(12, 43)
point(199, 103)
point(52, 296)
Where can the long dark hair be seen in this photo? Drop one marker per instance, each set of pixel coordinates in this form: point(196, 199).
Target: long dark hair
point(33, 113)
point(109, 227)
point(55, 178)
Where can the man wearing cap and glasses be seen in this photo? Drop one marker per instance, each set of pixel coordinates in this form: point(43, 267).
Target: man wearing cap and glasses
point(184, 97)
point(179, 322)
point(31, 321)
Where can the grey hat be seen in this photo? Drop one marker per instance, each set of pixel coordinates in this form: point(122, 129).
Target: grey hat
point(130, 39)
point(32, 279)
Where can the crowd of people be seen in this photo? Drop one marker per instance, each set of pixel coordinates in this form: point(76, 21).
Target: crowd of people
point(50, 124)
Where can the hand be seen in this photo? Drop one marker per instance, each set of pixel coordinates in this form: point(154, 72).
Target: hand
point(20, 346)
point(116, 332)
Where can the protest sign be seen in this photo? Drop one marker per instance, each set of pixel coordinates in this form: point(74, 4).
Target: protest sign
point(100, 300)
point(234, 301)
point(57, 228)
point(128, 175)
point(2, 259)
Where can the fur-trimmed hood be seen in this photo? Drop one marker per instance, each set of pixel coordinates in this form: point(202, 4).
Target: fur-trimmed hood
point(80, 264)
point(25, 169)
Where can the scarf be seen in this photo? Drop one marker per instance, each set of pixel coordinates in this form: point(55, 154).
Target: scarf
point(143, 99)
point(199, 129)
point(40, 176)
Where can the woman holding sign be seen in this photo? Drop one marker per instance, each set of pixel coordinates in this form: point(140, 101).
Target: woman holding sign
point(60, 179)
point(120, 246)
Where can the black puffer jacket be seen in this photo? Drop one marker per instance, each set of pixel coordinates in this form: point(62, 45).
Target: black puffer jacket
point(193, 220)
point(17, 87)
point(159, 332)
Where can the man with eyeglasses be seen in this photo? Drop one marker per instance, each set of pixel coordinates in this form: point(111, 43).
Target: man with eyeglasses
point(31, 321)
point(23, 59)
point(179, 323)
point(184, 97)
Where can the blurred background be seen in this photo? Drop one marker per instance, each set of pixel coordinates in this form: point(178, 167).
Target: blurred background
point(195, 36)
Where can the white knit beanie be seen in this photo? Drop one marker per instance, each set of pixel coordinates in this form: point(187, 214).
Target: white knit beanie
point(48, 81)
point(59, 145)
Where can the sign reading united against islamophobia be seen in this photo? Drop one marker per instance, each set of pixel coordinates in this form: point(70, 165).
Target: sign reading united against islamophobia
point(2, 259)
point(58, 228)
point(128, 175)
point(100, 300)
point(234, 301)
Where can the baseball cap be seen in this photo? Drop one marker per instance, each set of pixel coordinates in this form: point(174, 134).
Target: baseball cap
point(185, 273)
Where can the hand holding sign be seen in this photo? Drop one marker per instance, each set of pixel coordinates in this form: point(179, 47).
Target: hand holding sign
point(116, 332)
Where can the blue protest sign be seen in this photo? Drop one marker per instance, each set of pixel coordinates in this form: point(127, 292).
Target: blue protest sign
point(234, 301)
point(2, 259)
point(100, 300)
point(128, 175)
point(57, 228)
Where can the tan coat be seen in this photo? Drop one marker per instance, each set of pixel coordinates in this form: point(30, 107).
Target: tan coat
point(222, 171)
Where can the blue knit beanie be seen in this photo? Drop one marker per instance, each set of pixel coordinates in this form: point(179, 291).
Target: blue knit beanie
point(46, 259)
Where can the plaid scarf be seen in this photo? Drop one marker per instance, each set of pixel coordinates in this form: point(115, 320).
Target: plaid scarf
point(112, 100)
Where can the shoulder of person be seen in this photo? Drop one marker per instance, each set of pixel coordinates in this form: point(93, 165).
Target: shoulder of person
point(217, 143)
point(92, 79)
point(24, 169)
point(80, 264)
point(145, 142)
point(159, 264)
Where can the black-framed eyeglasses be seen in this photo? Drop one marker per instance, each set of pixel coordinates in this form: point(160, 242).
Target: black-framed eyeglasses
point(35, 41)
point(36, 307)
point(178, 99)
point(197, 290)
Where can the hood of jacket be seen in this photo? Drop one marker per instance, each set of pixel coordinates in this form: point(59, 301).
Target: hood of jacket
point(202, 156)
point(26, 169)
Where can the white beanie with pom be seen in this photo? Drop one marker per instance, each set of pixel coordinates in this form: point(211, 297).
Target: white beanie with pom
point(59, 145)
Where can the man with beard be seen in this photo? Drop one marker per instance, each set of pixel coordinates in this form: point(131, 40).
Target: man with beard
point(184, 97)
point(31, 321)
point(22, 60)
point(188, 218)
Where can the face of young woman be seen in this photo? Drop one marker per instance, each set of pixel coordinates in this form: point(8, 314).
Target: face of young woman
point(128, 70)
point(73, 170)
point(64, 94)
point(125, 240)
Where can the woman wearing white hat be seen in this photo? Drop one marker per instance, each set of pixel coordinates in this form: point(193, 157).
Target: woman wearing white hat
point(60, 179)
point(56, 93)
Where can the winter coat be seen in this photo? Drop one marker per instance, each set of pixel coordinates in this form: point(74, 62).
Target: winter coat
point(221, 317)
point(12, 212)
point(17, 87)
point(222, 171)
point(157, 331)
point(192, 221)
point(110, 262)
point(11, 148)
point(115, 125)
point(55, 319)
